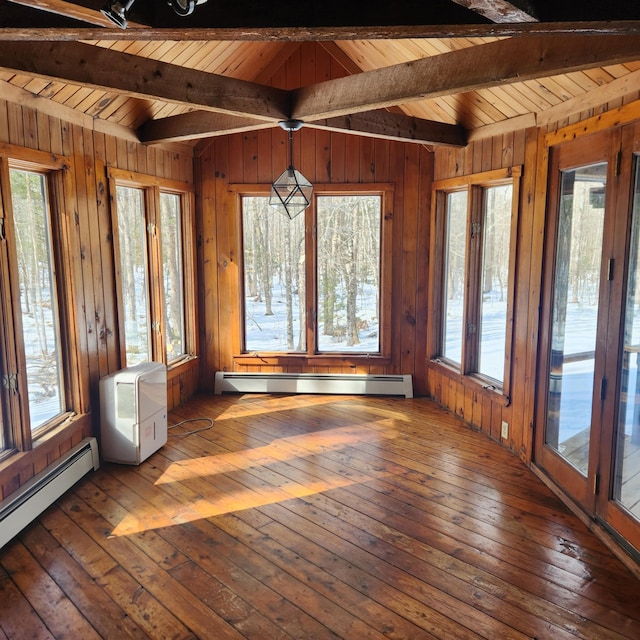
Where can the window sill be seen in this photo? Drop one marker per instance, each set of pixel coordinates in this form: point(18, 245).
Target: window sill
point(15, 464)
point(176, 367)
point(488, 387)
point(305, 360)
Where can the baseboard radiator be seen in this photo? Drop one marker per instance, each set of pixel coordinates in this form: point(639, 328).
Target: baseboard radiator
point(26, 504)
point(331, 383)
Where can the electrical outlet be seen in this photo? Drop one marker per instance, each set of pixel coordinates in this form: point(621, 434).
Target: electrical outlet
point(505, 430)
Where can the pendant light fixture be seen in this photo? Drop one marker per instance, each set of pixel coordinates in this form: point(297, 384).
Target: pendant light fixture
point(291, 192)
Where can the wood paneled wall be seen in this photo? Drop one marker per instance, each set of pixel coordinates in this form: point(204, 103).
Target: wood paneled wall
point(482, 408)
point(324, 158)
point(89, 153)
point(257, 157)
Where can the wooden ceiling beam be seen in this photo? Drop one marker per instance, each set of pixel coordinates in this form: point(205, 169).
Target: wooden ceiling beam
point(335, 101)
point(101, 68)
point(71, 10)
point(197, 124)
point(501, 10)
point(394, 126)
point(487, 65)
point(321, 34)
point(378, 124)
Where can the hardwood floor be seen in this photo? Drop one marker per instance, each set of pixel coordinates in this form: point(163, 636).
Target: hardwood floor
point(315, 517)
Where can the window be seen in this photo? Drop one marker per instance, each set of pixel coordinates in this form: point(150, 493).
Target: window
point(455, 259)
point(156, 268)
point(36, 293)
point(477, 224)
point(316, 293)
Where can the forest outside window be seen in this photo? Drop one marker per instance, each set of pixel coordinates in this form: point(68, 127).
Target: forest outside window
point(313, 285)
point(154, 218)
point(476, 217)
point(35, 299)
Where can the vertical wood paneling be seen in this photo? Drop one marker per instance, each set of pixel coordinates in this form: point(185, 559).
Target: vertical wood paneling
point(4, 121)
point(265, 171)
point(207, 255)
point(108, 329)
point(409, 250)
point(88, 220)
point(423, 307)
point(227, 238)
point(324, 158)
point(250, 156)
point(352, 159)
point(396, 167)
point(76, 143)
point(14, 117)
point(482, 409)
point(338, 158)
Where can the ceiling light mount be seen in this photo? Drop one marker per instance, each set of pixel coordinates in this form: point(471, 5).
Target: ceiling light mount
point(291, 191)
point(291, 124)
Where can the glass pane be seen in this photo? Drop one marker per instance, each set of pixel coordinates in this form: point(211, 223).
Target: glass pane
point(455, 257)
point(575, 313)
point(274, 278)
point(626, 489)
point(348, 278)
point(133, 268)
point(495, 280)
point(172, 270)
point(38, 297)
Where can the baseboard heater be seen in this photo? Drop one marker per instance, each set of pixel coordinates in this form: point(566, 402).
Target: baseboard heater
point(331, 383)
point(26, 504)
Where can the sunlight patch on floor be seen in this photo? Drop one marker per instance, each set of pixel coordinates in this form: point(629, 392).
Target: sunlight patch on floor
point(161, 510)
point(280, 450)
point(273, 404)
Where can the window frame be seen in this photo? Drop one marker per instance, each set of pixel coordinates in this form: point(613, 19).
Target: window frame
point(152, 187)
point(14, 410)
point(312, 356)
point(476, 186)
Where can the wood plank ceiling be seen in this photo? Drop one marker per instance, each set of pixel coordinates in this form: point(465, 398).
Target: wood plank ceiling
point(437, 74)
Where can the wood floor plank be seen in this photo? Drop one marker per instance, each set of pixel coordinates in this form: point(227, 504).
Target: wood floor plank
point(154, 582)
point(233, 609)
point(315, 518)
point(500, 577)
point(500, 552)
point(210, 548)
point(331, 613)
point(454, 533)
point(57, 612)
point(249, 576)
point(267, 477)
point(467, 585)
point(18, 619)
point(475, 476)
point(102, 612)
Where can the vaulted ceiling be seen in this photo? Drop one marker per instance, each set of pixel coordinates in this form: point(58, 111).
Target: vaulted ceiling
point(438, 72)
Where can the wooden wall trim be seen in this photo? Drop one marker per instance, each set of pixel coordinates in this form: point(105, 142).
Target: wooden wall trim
point(601, 122)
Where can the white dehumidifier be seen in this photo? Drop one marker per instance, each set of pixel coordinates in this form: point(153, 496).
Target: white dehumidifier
point(133, 413)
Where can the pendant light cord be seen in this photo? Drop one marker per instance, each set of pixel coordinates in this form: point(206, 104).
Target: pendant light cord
point(291, 149)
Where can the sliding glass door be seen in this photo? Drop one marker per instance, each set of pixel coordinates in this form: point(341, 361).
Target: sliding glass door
point(588, 427)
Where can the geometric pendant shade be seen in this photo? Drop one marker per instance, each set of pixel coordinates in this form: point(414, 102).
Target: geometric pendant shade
point(291, 192)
